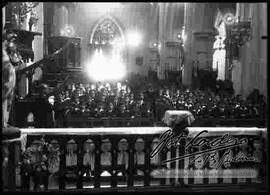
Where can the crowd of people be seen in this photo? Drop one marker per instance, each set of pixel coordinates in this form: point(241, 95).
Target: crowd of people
point(129, 100)
point(98, 100)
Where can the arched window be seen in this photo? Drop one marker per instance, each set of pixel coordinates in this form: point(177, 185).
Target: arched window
point(107, 56)
point(106, 31)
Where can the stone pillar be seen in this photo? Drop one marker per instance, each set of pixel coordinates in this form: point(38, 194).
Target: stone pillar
point(162, 37)
point(3, 17)
point(204, 34)
point(60, 19)
point(169, 25)
point(199, 29)
point(38, 40)
point(187, 77)
point(203, 47)
point(253, 55)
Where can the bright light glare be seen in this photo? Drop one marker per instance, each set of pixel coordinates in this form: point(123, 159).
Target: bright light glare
point(184, 37)
point(67, 31)
point(134, 39)
point(229, 18)
point(117, 43)
point(105, 68)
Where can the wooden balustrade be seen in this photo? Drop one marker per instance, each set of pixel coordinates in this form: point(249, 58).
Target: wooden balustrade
point(10, 158)
point(120, 158)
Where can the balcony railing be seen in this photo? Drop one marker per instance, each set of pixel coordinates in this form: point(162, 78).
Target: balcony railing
point(123, 158)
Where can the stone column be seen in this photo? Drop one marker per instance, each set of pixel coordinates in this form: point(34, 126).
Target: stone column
point(38, 41)
point(168, 27)
point(253, 55)
point(3, 17)
point(199, 28)
point(187, 77)
point(162, 37)
point(204, 34)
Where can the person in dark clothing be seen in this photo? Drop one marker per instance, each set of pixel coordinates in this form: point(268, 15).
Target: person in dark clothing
point(59, 109)
point(44, 113)
point(110, 111)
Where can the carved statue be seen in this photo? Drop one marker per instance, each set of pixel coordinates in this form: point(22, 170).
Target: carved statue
point(11, 60)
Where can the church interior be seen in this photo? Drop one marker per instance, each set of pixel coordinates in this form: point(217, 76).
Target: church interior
point(91, 90)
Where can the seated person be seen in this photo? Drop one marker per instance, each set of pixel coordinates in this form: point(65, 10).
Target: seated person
point(75, 106)
point(101, 99)
point(252, 110)
point(115, 102)
point(121, 96)
point(123, 112)
point(229, 109)
point(167, 94)
point(141, 96)
point(84, 111)
point(91, 103)
point(87, 91)
point(146, 111)
point(181, 104)
point(110, 96)
point(262, 106)
point(203, 110)
point(100, 110)
point(110, 111)
point(128, 91)
point(66, 95)
point(189, 104)
point(240, 110)
point(160, 92)
point(176, 96)
point(59, 109)
point(81, 87)
point(215, 111)
point(131, 99)
point(222, 110)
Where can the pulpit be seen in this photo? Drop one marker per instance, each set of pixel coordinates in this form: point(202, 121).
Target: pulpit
point(70, 58)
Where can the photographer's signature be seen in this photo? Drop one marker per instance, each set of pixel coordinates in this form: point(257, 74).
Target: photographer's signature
point(168, 138)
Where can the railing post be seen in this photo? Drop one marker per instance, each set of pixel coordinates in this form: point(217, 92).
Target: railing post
point(11, 167)
point(147, 164)
point(97, 171)
point(80, 162)
point(62, 142)
point(11, 136)
point(114, 142)
point(163, 157)
point(25, 176)
point(181, 165)
point(131, 142)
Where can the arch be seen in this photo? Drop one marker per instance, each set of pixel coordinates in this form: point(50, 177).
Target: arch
point(102, 20)
point(107, 41)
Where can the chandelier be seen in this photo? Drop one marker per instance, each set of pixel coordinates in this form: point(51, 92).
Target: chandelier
point(239, 32)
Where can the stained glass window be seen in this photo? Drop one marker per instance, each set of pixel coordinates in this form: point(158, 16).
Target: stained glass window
point(106, 32)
